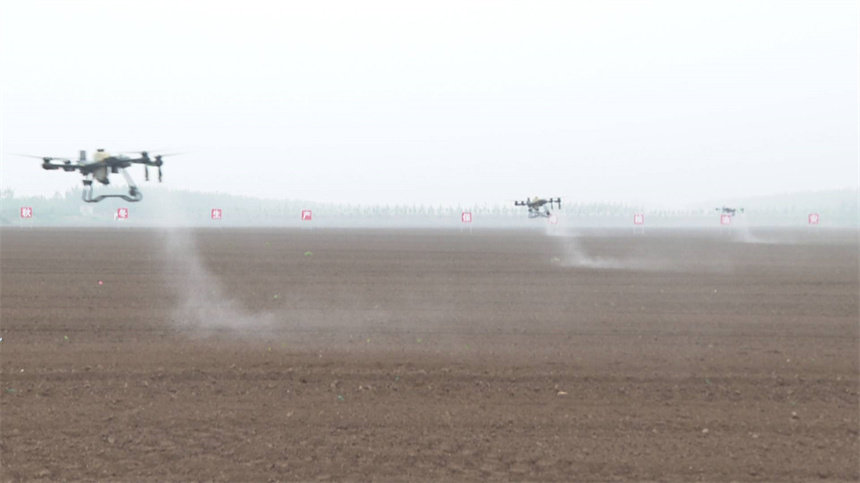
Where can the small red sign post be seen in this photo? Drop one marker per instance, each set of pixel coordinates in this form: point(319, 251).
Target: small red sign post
point(639, 223)
point(216, 213)
point(466, 217)
point(122, 213)
point(26, 212)
point(814, 218)
point(725, 219)
point(307, 215)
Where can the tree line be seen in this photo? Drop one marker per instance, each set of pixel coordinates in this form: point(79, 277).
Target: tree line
point(183, 207)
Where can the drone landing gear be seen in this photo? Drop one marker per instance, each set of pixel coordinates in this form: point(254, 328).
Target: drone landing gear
point(133, 195)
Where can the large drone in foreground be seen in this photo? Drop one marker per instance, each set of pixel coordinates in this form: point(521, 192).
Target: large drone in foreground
point(537, 206)
point(102, 166)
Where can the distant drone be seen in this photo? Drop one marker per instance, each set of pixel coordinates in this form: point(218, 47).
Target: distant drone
point(535, 204)
point(102, 165)
point(725, 210)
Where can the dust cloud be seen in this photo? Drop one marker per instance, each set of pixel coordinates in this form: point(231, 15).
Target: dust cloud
point(582, 248)
point(576, 255)
point(740, 232)
point(203, 305)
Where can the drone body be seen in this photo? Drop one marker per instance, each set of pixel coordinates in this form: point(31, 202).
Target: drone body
point(101, 167)
point(537, 206)
point(725, 210)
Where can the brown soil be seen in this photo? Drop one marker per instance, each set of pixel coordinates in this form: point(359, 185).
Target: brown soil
point(267, 355)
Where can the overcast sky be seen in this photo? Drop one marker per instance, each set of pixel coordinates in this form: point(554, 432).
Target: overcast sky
point(440, 101)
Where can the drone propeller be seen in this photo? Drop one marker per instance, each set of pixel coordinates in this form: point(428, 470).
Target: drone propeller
point(43, 158)
point(147, 152)
point(27, 156)
point(142, 151)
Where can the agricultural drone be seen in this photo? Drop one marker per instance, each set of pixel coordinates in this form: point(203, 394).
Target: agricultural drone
point(535, 204)
point(725, 210)
point(102, 166)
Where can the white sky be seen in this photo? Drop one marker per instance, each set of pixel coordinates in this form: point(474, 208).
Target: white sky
point(440, 101)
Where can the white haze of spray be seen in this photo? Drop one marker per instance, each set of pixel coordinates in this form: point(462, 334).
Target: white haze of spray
point(204, 306)
point(741, 233)
point(575, 253)
point(577, 256)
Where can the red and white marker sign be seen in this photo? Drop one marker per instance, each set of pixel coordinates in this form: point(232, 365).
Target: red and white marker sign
point(814, 218)
point(725, 219)
point(466, 217)
point(307, 215)
point(122, 213)
point(216, 213)
point(553, 219)
point(639, 219)
point(26, 212)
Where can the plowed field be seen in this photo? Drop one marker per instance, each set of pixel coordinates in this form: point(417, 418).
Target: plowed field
point(270, 355)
